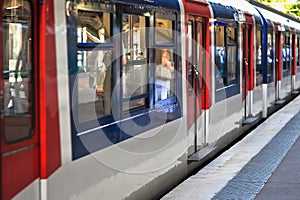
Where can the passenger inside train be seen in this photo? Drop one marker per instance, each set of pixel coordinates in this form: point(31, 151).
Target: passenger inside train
point(164, 74)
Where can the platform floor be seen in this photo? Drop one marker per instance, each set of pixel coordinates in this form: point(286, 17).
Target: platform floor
point(264, 165)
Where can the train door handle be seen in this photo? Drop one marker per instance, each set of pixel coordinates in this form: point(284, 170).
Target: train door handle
point(196, 71)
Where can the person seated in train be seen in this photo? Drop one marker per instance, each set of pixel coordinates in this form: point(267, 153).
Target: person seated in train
point(164, 74)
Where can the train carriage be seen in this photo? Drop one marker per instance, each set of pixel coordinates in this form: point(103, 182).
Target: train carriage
point(88, 109)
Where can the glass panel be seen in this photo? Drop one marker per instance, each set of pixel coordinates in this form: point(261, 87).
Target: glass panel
point(94, 66)
point(190, 55)
point(94, 84)
point(200, 54)
point(164, 31)
point(134, 73)
point(286, 52)
point(259, 76)
point(220, 56)
point(18, 71)
point(93, 27)
point(270, 54)
point(164, 73)
point(231, 63)
point(231, 35)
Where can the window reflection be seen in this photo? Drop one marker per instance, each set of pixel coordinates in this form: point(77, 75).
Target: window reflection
point(18, 73)
point(134, 61)
point(259, 76)
point(164, 31)
point(226, 55)
point(94, 65)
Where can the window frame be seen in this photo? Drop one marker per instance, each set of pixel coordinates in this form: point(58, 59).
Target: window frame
point(232, 87)
point(110, 127)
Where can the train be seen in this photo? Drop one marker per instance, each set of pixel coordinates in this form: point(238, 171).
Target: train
point(115, 99)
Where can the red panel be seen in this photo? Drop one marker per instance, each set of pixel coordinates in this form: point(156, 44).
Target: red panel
point(17, 173)
point(49, 119)
point(200, 11)
point(208, 86)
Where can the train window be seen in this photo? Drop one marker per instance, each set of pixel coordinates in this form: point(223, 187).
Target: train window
point(93, 27)
point(190, 55)
point(94, 65)
point(164, 31)
point(18, 70)
point(259, 76)
point(164, 59)
point(200, 54)
point(226, 55)
point(164, 73)
point(134, 61)
point(270, 54)
point(286, 55)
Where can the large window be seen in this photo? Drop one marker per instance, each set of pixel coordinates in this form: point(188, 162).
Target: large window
point(164, 58)
point(134, 61)
point(94, 61)
point(113, 68)
point(226, 55)
point(17, 70)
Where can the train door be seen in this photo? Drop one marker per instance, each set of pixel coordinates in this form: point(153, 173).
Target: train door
point(246, 68)
point(18, 119)
point(195, 68)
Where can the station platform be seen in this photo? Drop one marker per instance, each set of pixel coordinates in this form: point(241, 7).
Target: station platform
point(263, 165)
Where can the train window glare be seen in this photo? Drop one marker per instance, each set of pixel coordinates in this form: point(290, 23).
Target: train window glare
point(94, 65)
point(18, 70)
point(164, 31)
point(134, 61)
point(258, 57)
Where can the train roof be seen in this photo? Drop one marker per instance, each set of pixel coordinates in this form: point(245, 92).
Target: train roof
point(228, 8)
point(156, 4)
point(170, 4)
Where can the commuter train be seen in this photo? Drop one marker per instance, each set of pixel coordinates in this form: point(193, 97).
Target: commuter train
point(115, 99)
